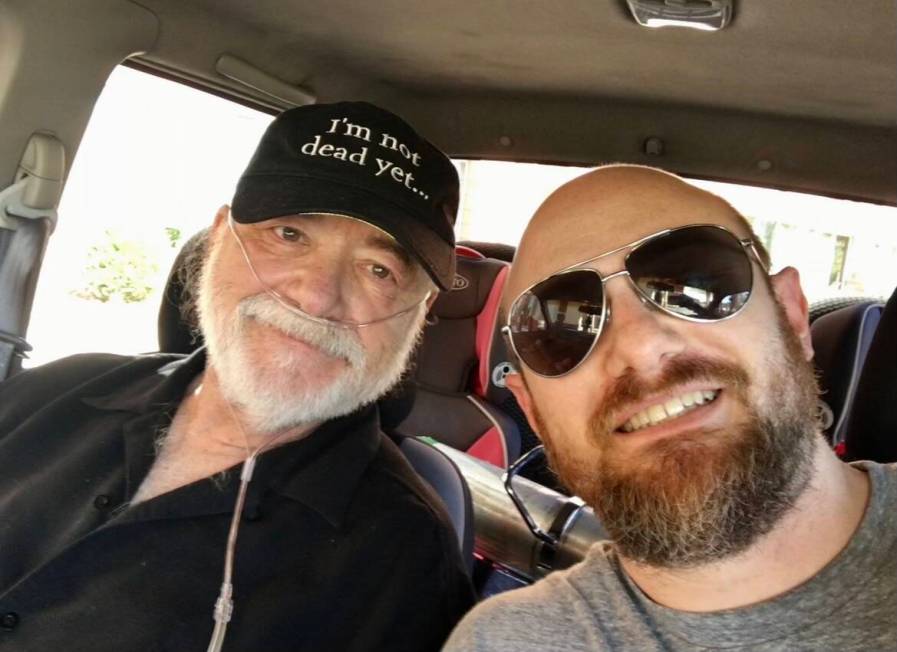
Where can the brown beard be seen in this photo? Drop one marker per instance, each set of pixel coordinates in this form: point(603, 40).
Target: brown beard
point(703, 495)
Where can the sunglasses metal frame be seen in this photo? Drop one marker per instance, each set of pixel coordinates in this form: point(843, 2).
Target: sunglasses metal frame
point(747, 244)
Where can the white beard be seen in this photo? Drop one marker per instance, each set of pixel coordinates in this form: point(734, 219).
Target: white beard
point(267, 399)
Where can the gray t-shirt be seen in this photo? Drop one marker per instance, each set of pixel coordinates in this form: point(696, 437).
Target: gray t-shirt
point(850, 605)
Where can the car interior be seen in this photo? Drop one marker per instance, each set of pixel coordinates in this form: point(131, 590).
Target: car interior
point(792, 95)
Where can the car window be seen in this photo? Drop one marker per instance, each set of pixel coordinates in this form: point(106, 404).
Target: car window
point(158, 159)
point(840, 247)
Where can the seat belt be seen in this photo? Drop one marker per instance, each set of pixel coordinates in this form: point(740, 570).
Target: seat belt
point(27, 218)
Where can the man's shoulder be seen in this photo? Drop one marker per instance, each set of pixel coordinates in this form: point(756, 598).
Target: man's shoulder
point(34, 388)
point(878, 528)
point(81, 365)
point(882, 475)
point(392, 473)
point(562, 610)
point(406, 507)
point(885, 467)
point(558, 588)
point(400, 516)
point(549, 611)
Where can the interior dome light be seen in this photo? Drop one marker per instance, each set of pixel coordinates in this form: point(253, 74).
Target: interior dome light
point(705, 15)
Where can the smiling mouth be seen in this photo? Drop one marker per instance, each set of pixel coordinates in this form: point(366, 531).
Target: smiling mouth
point(669, 409)
point(297, 339)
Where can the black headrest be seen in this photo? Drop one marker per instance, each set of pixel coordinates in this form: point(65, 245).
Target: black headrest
point(872, 429)
point(447, 357)
point(825, 306)
point(473, 283)
point(841, 341)
point(178, 325)
point(496, 250)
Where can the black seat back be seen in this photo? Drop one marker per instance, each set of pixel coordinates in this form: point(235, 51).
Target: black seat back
point(177, 324)
point(447, 481)
point(871, 432)
point(841, 341)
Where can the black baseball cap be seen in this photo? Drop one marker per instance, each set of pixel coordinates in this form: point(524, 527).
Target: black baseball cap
point(356, 159)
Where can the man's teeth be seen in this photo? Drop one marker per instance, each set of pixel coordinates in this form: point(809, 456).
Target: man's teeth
point(667, 410)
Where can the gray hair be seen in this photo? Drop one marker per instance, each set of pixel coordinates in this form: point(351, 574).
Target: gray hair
point(186, 277)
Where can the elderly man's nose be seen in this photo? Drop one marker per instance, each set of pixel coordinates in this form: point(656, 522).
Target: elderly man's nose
point(639, 337)
point(318, 290)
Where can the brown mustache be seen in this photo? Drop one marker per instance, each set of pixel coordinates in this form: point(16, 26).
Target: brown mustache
point(630, 388)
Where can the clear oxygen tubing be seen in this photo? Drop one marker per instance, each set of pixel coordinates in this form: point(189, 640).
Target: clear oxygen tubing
point(296, 310)
point(224, 605)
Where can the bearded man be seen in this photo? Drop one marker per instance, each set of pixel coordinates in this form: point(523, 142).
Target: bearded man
point(127, 480)
point(667, 374)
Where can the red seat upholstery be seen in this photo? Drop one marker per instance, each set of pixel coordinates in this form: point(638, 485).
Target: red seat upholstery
point(455, 399)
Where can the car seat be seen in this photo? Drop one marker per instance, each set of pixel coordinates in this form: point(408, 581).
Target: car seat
point(178, 333)
point(497, 250)
point(871, 432)
point(841, 341)
point(446, 479)
point(458, 379)
point(177, 325)
point(456, 391)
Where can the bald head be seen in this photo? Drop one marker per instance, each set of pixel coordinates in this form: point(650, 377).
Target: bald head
point(606, 208)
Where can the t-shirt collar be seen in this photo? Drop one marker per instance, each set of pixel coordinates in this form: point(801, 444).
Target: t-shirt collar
point(803, 606)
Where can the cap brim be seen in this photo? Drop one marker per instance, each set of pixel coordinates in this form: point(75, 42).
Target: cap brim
point(263, 197)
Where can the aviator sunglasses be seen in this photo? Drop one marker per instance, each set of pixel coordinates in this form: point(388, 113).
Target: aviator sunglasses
point(700, 273)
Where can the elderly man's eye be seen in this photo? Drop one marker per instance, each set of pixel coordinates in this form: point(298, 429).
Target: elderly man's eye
point(381, 271)
point(288, 233)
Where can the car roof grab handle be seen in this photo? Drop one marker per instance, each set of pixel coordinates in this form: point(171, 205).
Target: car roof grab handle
point(37, 186)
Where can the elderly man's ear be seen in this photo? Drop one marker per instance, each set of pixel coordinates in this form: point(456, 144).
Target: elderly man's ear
point(221, 217)
point(786, 286)
point(518, 388)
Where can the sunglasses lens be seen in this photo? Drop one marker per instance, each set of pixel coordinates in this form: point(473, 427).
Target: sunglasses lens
point(699, 272)
point(555, 323)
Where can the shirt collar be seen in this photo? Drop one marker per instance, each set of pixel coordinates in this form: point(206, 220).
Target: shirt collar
point(322, 470)
point(154, 390)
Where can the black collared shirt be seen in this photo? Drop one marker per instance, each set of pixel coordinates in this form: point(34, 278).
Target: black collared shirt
point(341, 547)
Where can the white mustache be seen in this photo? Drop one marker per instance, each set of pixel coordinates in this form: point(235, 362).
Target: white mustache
point(332, 340)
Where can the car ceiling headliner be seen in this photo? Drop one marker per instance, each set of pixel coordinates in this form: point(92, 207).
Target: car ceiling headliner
point(797, 94)
point(815, 58)
point(808, 85)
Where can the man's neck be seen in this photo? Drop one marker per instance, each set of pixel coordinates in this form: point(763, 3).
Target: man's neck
point(807, 538)
point(207, 435)
point(212, 424)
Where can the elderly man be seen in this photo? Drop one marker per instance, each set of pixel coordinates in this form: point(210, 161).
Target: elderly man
point(667, 374)
point(132, 485)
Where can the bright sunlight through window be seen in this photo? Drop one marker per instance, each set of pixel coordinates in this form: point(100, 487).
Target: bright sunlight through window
point(159, 158)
